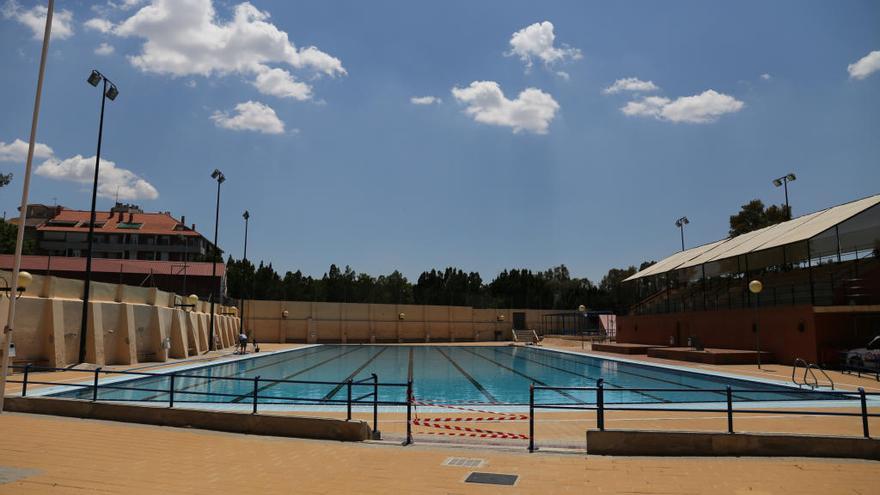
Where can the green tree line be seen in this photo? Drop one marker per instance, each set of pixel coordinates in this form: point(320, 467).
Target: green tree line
point(554, 288)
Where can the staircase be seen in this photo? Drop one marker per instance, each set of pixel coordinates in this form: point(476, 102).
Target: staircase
point(526, 336)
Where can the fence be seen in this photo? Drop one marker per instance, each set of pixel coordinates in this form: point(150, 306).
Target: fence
point(370, 398)
point(601, 408)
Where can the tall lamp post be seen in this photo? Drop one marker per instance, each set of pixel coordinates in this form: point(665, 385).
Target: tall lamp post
point(220, 178)
point(680, 223)
point(755, 287)
point(246, 217)
point(783, 181)
point(110, 91)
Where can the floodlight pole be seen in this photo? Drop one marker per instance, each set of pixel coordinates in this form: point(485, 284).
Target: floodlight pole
point(247, 217)
point(22, 216)
point(681, 228)
point(84, 322)
point(220, 178)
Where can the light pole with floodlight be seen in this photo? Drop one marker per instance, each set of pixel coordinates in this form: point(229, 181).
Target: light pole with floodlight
point(680, 223)
point(247, 217)
point(220, 178)
point(755, 287)
point(110, 91)
point(783, 181)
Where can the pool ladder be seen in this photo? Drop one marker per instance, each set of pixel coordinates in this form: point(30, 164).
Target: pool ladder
point(808, 374)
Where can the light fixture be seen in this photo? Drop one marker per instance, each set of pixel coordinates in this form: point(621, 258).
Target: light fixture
point(112, 92)
point(500, 317)
point(582, 308)
point(284, 313)
point(682, 221)
point(94, 78)
point(24, 280)
point(216, 174)
point(188, 302)
point(401, 316)
point(755, 286)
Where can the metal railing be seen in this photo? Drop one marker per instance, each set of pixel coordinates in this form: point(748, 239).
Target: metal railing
point(601, 408)
point(173, 392)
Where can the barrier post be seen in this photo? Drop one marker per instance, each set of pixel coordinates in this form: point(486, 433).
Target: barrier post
point(376, 435)
point(864, 401)
point(600, 404)
point(531, 417)
point(27, 369)
point(95, 386)
point(256, 390)
point(729, 410)
point(348, 401)
point(409, 401)
point(171, 391)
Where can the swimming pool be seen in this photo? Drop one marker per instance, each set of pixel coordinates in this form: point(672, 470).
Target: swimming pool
point(443, 374)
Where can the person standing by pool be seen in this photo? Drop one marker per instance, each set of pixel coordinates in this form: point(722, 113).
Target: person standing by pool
point(242, 342)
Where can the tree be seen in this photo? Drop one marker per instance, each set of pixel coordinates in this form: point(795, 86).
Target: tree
point(753, 216)
point(8, 237)
point(5, 179)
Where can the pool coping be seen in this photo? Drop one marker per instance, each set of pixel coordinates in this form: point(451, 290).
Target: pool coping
point(514, 408)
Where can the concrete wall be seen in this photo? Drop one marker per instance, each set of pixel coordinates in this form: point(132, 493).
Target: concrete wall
point(130, 324)
point(347, 322)
point(788, 332)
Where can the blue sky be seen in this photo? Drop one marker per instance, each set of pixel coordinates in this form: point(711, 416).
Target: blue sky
point(336, 164)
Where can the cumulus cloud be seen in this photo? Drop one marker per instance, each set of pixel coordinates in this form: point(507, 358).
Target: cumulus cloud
point(425, 100)
point(81, 170)
point(563, 74)
point(35, 19)
point(766, 76)
point(185, 38)
point(865, 66)
point(537, 41)
point(104, 49)
point(16, 151)
point(111, 179)
point(630, 84)
point(250, 116)
point(703, 108)
point(99, 24)
point(531, 111)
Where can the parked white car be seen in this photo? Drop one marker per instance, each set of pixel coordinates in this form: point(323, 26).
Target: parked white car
point(865, 357)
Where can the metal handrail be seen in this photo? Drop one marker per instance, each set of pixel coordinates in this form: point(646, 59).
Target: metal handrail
point(371, 381)
point(797, 363)
point(601, 408)
point(813, 366)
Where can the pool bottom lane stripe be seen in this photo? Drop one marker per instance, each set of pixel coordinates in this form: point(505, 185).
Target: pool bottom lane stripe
point(353, 374)
point(292, 375)
point(611, 385)
point(527, 377)
point(470, 378)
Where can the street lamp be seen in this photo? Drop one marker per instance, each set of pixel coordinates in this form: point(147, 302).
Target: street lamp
point(24, 280)
point(220, 178)
point(783, 181)
point(755, 287)
point(246, 217)
point(680, 223)
point(110, 91)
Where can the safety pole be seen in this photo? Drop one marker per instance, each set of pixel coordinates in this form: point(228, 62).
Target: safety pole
point(256, 390)
point(864, 401)
point(531, 417)
point(600, 404)
point(348, 401)
point(171, 391)
point(729, 410)
point(95, 386)
point(409, 401)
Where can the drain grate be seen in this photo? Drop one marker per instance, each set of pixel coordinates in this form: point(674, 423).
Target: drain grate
point(492, 478)
point(463, 462)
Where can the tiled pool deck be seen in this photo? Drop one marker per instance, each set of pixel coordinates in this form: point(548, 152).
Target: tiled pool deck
point(63, 455)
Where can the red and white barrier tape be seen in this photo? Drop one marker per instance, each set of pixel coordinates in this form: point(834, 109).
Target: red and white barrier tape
point(459, 408)
point(466, 429)
point(477, 435)
point(518, 417)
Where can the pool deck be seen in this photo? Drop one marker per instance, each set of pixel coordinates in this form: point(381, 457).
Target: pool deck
point(66, 455)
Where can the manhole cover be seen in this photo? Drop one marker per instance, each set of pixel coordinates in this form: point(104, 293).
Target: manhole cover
point(492, 478)
point(463, 462)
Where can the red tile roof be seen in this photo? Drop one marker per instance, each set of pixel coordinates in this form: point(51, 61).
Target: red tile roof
point(151, 223)
point(39, 265)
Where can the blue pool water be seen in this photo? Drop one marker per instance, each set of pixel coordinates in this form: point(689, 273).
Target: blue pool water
point(445, 374)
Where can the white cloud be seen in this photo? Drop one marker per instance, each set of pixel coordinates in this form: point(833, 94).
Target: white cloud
point(99, 24)
point(280, 83)
point(16, 151)
point(104, 49)
point(532, 110)
point(865, 66)
point(250, 116)
point(111, 179)
point(425, 100)
point(698, 109)
point(35, 19)
point(185, 38)
point(630, 84)
point(536, 41)
point(564, 75)
point(766, 76)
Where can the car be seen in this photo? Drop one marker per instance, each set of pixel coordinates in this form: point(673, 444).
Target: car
point(867, 357)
